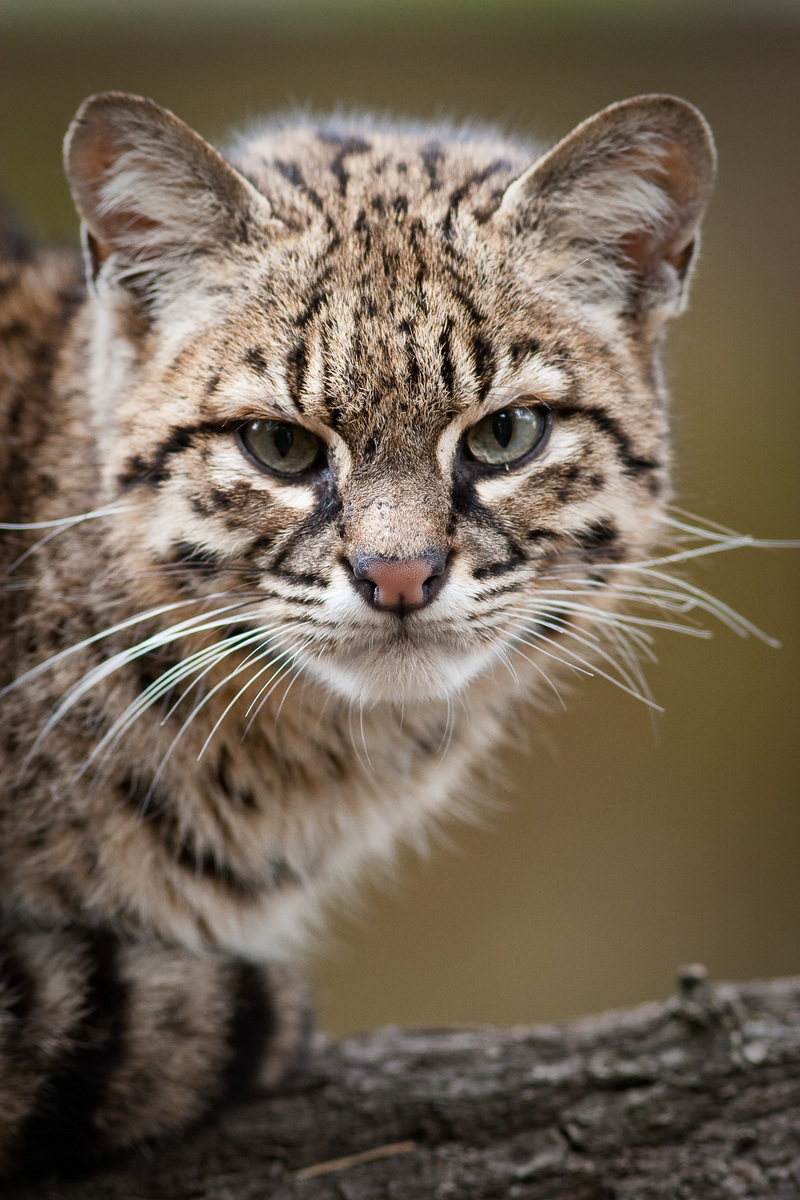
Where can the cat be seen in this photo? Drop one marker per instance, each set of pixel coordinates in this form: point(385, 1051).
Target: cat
point(326, 455)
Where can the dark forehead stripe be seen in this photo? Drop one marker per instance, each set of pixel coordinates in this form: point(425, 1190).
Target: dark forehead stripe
point(315, 296)
point(484, 362)
point(446, 357)
point(296, 367)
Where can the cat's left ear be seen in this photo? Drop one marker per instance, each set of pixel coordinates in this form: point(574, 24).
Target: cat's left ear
point(151, 192)
point(619, 201)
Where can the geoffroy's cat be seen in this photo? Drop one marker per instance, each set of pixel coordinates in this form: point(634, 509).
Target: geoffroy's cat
point(329, 452)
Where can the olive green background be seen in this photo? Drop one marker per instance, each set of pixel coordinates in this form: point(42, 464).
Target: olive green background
point(616, 847)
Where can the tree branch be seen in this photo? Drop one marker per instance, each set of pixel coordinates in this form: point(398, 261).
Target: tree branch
point(695, 1098)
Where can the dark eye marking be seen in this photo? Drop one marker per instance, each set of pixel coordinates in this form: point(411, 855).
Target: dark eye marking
point(634, 464)
point(154, 471)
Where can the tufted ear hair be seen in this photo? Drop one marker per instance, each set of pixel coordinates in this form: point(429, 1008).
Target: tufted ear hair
point(150, 191)
point(620, 199)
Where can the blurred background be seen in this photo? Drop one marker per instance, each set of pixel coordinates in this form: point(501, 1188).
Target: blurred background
point(616, 847)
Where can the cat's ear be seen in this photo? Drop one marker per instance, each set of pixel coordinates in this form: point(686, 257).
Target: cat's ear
point(620, 200)
point(149, 190)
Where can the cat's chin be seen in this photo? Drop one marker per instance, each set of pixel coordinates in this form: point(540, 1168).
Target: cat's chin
point(400, 675)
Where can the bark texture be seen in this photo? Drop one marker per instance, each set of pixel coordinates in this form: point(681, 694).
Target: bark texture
point(696, 1098)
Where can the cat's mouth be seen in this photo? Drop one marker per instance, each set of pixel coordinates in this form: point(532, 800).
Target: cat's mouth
point(404, 661)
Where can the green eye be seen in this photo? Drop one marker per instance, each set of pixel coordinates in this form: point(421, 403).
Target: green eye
point(282, 447)
point(507, 436)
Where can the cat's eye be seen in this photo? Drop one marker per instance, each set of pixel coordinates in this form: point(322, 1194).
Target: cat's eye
point(507, 436)
point(281, 446)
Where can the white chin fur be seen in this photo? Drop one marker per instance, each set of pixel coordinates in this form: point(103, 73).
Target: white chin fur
point(398, 674)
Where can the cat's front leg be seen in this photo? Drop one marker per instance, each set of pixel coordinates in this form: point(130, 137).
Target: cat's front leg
point(105, 1043)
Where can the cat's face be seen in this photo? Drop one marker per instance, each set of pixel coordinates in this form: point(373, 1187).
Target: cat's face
point(406, 407)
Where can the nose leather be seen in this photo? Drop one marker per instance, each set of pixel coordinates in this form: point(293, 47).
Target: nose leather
point(399, 584)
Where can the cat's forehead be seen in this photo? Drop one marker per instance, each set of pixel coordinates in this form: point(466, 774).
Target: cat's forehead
point(390, 304)
point(338, 168)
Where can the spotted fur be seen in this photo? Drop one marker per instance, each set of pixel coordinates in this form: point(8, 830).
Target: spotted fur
point(210, 723)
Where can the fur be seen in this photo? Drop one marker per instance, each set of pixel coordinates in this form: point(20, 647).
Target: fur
point(210, 724)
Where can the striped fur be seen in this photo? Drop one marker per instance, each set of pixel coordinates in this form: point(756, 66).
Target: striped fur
point(210, 721)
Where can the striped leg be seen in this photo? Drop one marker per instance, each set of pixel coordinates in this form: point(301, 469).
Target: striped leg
point(104, 1043)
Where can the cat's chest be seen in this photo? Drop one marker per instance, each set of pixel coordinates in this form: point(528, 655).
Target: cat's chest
point(243, 833)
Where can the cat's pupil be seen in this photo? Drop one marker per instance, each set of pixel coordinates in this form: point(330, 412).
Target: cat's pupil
point(283, 437)
point(503, 428)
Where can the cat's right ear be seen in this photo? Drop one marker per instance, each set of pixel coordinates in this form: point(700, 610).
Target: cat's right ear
point(150, 191)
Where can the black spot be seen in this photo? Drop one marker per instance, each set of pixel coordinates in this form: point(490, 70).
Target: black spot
point(212, 383)
point(254, 357)
point(292, 173)
point(62, 1130)
point(361, 227)
point(400, 205)
point(326, 512)
point(347, 146)
point(240, 796)
point(523, 349)
point(601, 540)
point(432, 157)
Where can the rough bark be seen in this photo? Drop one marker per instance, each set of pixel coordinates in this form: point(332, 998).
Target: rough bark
point(697, 1098)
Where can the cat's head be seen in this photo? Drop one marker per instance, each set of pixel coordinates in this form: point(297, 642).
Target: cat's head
point(397, 389)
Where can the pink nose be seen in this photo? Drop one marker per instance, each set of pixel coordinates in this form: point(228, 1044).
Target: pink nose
point(399, 584)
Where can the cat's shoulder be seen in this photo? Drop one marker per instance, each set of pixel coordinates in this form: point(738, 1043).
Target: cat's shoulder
point(40, 290)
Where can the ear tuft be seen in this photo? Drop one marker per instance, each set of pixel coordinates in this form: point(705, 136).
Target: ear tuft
point(626, 190)
point(147, 187)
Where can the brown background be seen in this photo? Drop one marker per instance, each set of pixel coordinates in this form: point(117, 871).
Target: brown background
point(622, 847)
